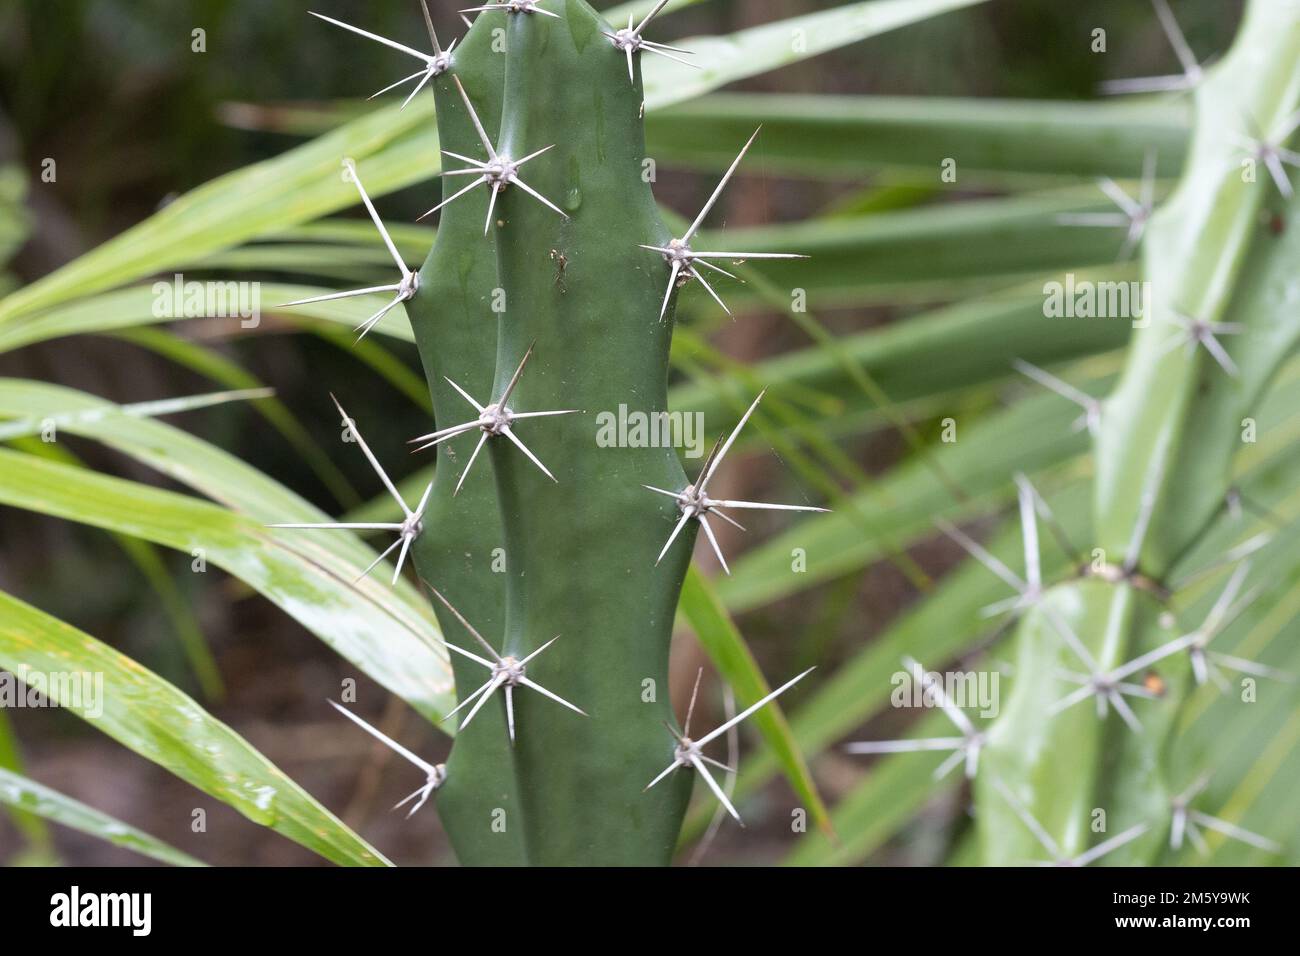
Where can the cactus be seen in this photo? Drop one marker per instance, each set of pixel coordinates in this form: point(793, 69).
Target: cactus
point(1076, 767)
point(1165, 439)
point(543, 299)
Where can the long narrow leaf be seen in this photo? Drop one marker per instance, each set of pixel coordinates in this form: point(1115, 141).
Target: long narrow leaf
point(146, 714)
point(29, 796)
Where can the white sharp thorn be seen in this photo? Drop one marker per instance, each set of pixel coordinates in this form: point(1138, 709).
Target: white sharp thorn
point(1125, 712)
point(454, 196)
point(392, 287)
point(652, 48)
point(513, 6)
point(686, 237)
point(935, 688)
point(1146, 505)
point(682, 259)
point(904, 746)
point(435, 65)
point(1135, 214)
point(1031, 823)
point(689, 753)
point(694, 274)
point(482, 440)
point(370, 457)
point(515, 440)
point(1200, 332)
point(493, 420)
point(980, 554)
point(955, 759)
point(690, 709)
point(1052, 847)
point(727, 518)
point(528, 682)
point(1234, 831)
point(1244, 666)
point(483, 641)
point(675, 271)
point(1198, 841)
point(712, 466)
point(1176, 828)
point(1192, 73)
point(629, 40)
point(497, 680)
point(694, 503)
point(435, 774)
point(747, 255)
point(393, 86)
point(669, 769)
point(1109, 846)
point(418, 86)
point(377, 38)
point(405, 288)
point(507, 672)
point(1029, 534)
point(407, 530)
point(1091, 406)
point(717, 549)
point(428, 23)
point(703, 771)
point(470, 699)
point(687, 514)
point(1221, 614)
point(719, 269)
point(752, 708)
point(499, 171)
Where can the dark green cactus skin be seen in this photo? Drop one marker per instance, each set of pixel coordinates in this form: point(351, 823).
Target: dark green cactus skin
point(456, 333)
point(581, 551)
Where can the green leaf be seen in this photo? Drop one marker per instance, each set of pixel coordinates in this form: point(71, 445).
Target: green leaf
point(211, 364)
point(134, 306)
point(889, 798)
point(723, 60)
point(1016, 142)
point(31, 826)
point(175, 605)
point(932, 253)
point(923, 356)
point(148, 715)
point(299, 185)
point(391, 640)
point(83, 419)
point(32, 797)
